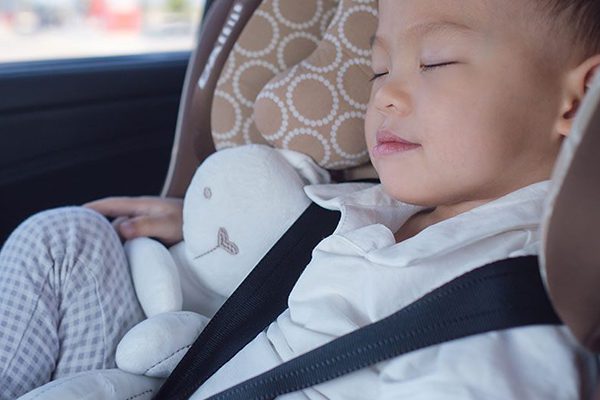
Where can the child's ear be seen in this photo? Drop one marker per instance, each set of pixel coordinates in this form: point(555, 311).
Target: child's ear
point(578, 82)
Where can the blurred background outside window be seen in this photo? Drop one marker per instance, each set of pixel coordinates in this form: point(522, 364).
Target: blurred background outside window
point(56, 29)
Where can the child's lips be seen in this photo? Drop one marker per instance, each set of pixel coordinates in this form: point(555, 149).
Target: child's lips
point(390, 143)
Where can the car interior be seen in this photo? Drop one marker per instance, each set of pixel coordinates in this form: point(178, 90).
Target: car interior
point(75, 131)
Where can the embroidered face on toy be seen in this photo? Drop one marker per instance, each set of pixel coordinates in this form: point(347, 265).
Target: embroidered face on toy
point(231, 218)
point(298, 79)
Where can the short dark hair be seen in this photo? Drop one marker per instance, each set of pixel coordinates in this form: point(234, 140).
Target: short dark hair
point(581, 17)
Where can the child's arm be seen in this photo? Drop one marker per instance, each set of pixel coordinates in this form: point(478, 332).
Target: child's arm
point(156, 217)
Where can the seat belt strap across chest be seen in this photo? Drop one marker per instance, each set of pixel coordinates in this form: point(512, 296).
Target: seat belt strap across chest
point(504, 294)
point(257, 302)
point(501, 295)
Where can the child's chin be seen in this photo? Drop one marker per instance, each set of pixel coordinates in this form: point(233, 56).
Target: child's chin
point(410, 192)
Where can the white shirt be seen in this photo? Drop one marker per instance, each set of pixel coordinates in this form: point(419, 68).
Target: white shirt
point(359, 275)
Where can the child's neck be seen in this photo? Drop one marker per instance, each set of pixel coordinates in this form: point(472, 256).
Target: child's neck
point(431, 216)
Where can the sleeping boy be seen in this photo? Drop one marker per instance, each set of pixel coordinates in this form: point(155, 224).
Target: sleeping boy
point(470, 103)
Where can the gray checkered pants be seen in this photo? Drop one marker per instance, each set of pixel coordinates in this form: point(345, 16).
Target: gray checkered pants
point(66, 298)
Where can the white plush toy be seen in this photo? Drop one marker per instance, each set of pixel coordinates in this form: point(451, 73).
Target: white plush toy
point(239, 203)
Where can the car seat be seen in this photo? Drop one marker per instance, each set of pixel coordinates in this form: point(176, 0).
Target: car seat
point(569, 256)
point(231, 41)
point(193, 143)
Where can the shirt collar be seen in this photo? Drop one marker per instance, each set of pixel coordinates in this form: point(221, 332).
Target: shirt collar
point(362, 205)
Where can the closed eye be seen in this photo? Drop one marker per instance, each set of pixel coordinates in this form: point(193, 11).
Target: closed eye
point(425, 67)
point(376, 76)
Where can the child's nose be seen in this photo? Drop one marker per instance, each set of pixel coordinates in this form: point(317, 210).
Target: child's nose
point(393, 98)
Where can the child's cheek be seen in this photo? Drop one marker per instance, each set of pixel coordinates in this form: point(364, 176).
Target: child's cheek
point(370, 125)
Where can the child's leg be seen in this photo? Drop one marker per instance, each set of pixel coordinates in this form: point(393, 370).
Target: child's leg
point(66, 298)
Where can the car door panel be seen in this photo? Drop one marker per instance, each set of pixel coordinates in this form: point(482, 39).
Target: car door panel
point(75, 130)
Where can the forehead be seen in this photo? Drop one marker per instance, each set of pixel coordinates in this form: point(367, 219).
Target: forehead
point(404, 15)
point(500, 19)
point(408, 20)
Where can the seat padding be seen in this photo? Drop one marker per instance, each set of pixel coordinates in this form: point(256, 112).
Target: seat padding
point(318, 107)
point(317, 65)
point(280, 34)
point(571, 251)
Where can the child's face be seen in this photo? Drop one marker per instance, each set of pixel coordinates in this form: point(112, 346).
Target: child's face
point(484, 118)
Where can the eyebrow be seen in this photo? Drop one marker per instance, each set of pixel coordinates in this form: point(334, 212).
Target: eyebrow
point(428, 28)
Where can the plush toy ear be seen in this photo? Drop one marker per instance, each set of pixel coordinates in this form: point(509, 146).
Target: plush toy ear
point(317, 107)
point(279, 35)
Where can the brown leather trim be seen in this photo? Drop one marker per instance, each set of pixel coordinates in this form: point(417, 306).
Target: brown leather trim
point(572, 245)
point(193, 141)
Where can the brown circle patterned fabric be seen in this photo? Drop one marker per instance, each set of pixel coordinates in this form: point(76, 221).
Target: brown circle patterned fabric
point(317, 107)
point(304, 68)
point(280, 34)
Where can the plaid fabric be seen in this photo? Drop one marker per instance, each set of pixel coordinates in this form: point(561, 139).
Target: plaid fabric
point(66, 298)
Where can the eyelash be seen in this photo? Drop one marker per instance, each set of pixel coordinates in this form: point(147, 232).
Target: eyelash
point(434, 66)
point(376, 76)
point(424, 68)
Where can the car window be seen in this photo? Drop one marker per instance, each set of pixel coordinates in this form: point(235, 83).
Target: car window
point(58, 29)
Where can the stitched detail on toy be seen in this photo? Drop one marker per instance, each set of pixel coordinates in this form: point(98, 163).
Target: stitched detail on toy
point(223, 242)
point(140, 394)
point(207, 253)
point(184, 348)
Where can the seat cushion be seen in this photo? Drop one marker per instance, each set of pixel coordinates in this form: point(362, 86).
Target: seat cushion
point(298, 79)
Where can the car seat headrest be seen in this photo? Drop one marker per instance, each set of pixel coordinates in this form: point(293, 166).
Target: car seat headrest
point(298, 78)
point(214, 67)
point(570, 255)
point(278, 35)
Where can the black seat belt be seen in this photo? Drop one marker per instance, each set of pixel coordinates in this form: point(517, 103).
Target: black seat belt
point(504, 294)
point(257, 302)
